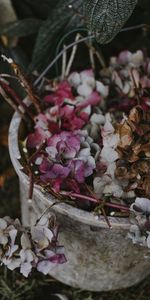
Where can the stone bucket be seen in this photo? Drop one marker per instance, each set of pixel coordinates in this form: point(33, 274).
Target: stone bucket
point(98, 258)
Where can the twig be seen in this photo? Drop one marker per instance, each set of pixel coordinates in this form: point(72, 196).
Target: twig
point(34, 98)
point(64, 61)
point(135, 86)
point(45, 212)
point(7, 88)
point(106, 217)
point(101, 208)
point(99, 56)
point(91, 54)
point(98, 201)
point(33, 156)
point(144, 26)
point(72, 56)
point(76, 12)
point(11, 103)
point(31, 185)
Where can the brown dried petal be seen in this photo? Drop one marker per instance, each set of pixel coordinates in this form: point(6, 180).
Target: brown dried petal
point(126, 135)
point(132, 157)
point(146, 149)
point(142, 167)
point(121, 172)
point(145, 127)
point(145, 186)
point(147, 115)
point(136, 114)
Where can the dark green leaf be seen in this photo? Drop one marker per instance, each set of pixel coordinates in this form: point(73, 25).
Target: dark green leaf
point(105, 18)
point(52, 27)
point(34, 8)
point(21, 28)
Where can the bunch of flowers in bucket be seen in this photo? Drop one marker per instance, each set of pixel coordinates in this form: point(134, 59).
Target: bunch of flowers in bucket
point(89, 144)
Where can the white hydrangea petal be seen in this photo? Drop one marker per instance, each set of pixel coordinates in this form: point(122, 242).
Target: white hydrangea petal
point(26, 255)
point(25, 242)
point(87, 76)
point(113, 189)
point(84, 90)
point(12, 249)
point(109, 155)
point(3, 239)
point(111, 170)
point(98, 119)
point(12, 263)
point(99, 184)
point(45, 266)
point(148, 240)
point(87, 109)
point(108, 127)
point(137, 58)
point(143, 203)
point(3, 224)
point(102, 89)
point(39, 238)
point(25, 269)
point(48, 233)
point(13, 234)
point(61, 297)
point(52, 151)
point(74, 79)
point(84, 152)
point(111, 140)
point(44, 221)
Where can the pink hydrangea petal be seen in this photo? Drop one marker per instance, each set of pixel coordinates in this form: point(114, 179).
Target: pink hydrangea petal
point(36, 139)
point(57, 171)
point(58, 259)
point(77, 168)
point(56, 184)
point(63, 92)
point(45, 166)
point(41, 121)
point(93, 99)
point(71, 185)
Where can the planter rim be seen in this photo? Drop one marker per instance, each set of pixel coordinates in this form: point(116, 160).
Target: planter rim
point(63, 208)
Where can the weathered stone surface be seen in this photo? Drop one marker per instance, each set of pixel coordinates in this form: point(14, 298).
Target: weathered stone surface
point(99, 258)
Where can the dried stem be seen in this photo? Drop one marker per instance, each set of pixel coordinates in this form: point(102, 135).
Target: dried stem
point(9, 90)
point(77, 13)
point(140, 26)
point(98, 55)
point(64, 61)
point(91, 54)
point(135, 86)
point(33, 156)
point(11, 103)
point(31, 186)
point(106, 217)
point(98, 201)
point(72, 56)
point(101, 208)
point(24, 82)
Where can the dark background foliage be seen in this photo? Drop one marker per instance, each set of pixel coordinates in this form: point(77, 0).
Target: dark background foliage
point(42, 24)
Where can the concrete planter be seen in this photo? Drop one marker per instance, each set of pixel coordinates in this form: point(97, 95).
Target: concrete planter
point(99, 258)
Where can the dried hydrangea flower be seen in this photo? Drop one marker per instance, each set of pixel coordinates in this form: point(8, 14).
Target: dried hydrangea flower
point(34, 245)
